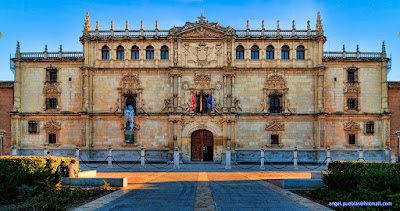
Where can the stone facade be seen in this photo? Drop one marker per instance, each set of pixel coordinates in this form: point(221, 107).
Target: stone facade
point(271, 99)
point(6, 105)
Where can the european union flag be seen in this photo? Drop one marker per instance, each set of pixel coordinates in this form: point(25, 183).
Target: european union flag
point(210, 101)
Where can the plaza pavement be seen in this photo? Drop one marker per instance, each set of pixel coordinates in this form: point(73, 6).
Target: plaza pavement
point(201, 187)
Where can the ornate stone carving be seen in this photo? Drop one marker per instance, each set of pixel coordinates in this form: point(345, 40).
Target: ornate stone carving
point(202, 52)
point(51, 88)
point(275, 81)
point(130, 82)
point(352, 88)
point(52, 126)
point(202, 28)
point(202, 31)
point(275, 126)
point(351, 125)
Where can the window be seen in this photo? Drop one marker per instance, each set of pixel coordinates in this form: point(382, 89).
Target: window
point(352, 103)
point(164, 52)
point(149, 52)
point(105, 53)
point(369, 127)
point(131, 101)
point(52, 75)
point(352, 139)
point(352, 75)
point(274, 105)
point(285, 52)
point(239, 52)
point(274, 139)
point(51, 102)
point(270, 52)
point(300, 52)
point(52, 138)
point(201, 102)
point(254, 52)
point(120, 53)
point(135, 53)
point(32, 127)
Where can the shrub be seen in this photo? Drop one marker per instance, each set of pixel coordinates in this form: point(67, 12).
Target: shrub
point(29, 176)
point(373, 176)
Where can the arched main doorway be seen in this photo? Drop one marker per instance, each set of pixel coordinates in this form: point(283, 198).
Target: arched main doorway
point(202, 145)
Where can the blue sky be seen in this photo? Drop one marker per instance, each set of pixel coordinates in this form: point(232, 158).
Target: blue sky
point(352, 22)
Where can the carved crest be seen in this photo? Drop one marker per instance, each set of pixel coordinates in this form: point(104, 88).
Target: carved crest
point(52, 126)
point(275, 126)
point(51, 89)
point(275, 81)
point(202, 52)
point(130, 81)
point(352, 126)
point(352, 88)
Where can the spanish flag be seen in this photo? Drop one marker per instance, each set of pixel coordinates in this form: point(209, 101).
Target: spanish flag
point(192, 103)
point(201, 103)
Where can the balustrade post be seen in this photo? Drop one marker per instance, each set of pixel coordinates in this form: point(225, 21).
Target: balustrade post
point(295, 159)
point(109, 158)
point(142, 157)
point(262, 158)
point(176, 158)
point(228, 158)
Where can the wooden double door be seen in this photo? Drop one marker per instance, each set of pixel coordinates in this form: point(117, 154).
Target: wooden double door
point(202, 145)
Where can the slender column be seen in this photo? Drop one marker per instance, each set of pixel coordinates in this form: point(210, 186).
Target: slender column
point(45, 150)
point(176, 158)
point(328, 156)
point(229, 92)
point(142, 157)
point(2, 132)
point(228, 158)
point(262, 158)
point(175, 134)
point(295, 159)
point(109, 158)
point(361, 154)
point(77, 156)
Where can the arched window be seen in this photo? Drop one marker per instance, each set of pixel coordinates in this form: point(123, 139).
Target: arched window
point(270, 52)
point(135, 53)
point(300, 52)
point(105, 53)
point(274, 105)
point(149, 52)
point(131, 101)
point(275, 102)
point(254, 52)
point(285, 52)
point(239, 52)
point(120, 53)
point(164, 52)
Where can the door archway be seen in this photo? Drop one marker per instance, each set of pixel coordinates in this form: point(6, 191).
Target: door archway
point(202, 145)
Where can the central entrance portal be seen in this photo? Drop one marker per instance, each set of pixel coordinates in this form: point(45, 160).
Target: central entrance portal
point(202, 145)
